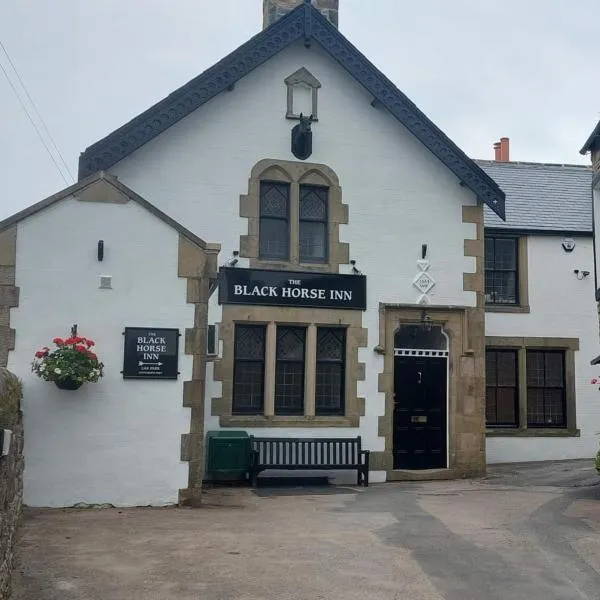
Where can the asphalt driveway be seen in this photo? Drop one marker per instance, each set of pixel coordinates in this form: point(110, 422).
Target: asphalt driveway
point(523, 533)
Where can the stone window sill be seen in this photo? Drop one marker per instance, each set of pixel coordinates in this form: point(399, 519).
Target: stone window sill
point(287, 421)
point(506, 308)
point(533, 432)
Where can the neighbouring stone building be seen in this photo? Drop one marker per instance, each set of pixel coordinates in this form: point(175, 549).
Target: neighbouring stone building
point(366, 265)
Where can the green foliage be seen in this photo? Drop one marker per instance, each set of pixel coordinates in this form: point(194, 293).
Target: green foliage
point(10, 398)
point(597, 461)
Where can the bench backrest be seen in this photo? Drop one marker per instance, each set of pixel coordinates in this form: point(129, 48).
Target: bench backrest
point(307, 451)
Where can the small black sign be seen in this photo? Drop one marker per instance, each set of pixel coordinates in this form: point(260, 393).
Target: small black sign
point(292, 288)
point(150, 353)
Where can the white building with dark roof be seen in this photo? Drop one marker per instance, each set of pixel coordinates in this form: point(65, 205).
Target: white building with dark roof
point(371, 273)
point(541, 324)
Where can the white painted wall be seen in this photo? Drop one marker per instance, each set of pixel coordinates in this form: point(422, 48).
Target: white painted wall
point(115, 441)
point(400, 196)
point(561, 306)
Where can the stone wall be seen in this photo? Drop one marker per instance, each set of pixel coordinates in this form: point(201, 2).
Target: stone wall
point(11, 476)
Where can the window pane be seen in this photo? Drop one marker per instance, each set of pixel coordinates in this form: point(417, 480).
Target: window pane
point(546, 400)
point(490, 406)
point(313, 241)
point(250, 342)
point(490, 368)
point(489, 253)
point(507, 369)
point(554, 408)
point(501, 272)
point(554, 369)
point(289, 370)
point(501, 287)
point(248, 388)
point(535, 368)
point(329, 390)
point(274, 200)
point(313, 203)
point(274, 238)
point(506, 406)
point(501, 408)
point(290, 343)
point(535, 407)
point(330, 344)
point(249, 369)
point(289, 388)
point(505, 254)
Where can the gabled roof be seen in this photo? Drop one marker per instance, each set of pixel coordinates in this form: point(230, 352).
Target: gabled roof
point(97, 187)
point(303, 23)
point(542, 197)
point(591, 141)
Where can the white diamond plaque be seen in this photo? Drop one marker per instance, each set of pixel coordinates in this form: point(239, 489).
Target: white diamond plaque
point(423, 282)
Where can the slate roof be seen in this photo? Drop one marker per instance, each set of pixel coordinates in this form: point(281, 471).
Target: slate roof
point(542, 197)
point(304, 23)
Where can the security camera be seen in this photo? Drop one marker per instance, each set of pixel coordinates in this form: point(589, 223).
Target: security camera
point(231, 262)
point(354, 269)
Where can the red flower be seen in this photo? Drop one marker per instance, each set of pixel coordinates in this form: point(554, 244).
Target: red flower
point(92, 355)
point(39, 354)
point(78, 340)
point(81, 348)
point(58, 341)
point(69, 341)
point(90, 343)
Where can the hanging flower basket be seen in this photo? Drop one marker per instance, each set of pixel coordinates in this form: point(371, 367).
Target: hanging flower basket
point(71, 364)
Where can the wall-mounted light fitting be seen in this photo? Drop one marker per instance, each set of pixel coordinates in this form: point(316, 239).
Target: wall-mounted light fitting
point(355, 271)
point(581, 274)
point(568, 244)
point(100, 250)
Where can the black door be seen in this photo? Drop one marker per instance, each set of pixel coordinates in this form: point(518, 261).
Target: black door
point(420, 413)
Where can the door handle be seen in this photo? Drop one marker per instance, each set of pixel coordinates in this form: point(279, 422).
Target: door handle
point(420, 376)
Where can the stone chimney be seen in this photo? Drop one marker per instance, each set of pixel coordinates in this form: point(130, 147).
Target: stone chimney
point(275, 9)
point(502, 150)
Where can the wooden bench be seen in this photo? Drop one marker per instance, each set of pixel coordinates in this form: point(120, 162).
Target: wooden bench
point(309, 454)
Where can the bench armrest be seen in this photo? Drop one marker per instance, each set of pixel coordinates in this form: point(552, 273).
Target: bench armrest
point(364, 457)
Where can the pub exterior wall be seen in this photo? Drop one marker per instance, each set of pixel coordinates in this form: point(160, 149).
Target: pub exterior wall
point(561, 306)
point(117, 441)
point(399, 196)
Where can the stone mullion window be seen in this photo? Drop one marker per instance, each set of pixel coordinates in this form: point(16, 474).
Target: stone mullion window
point(315, 213)
point(545, 382)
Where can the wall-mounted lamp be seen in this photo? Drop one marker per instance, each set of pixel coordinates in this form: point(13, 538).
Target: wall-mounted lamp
point(100, 250)
point(581, 274)
point(355, 271)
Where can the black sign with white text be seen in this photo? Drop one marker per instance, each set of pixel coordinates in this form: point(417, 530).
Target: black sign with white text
point(150, 353)
point(292, 288)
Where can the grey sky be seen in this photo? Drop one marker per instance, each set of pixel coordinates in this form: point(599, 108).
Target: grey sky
point(479, 69)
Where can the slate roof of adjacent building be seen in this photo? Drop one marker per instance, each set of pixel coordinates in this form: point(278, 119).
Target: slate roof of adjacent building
point(542, 196)
point(307, 24)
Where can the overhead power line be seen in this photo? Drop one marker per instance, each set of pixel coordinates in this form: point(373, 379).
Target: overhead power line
point(53, 155)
